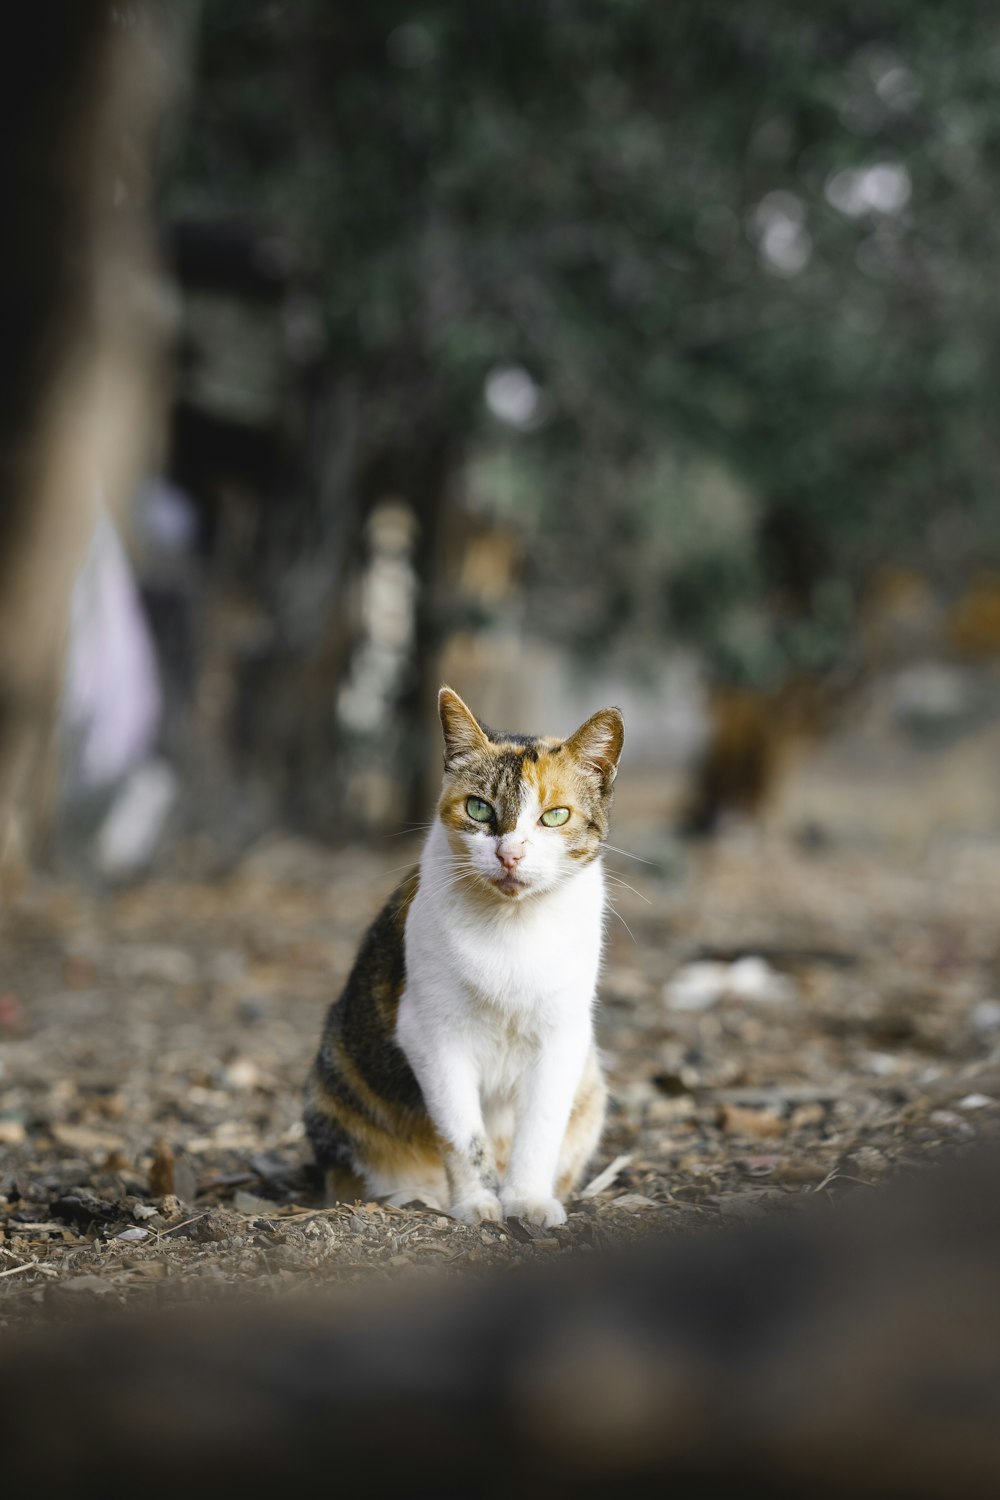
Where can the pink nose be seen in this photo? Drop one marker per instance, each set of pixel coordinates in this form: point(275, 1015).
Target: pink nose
point(510, 858)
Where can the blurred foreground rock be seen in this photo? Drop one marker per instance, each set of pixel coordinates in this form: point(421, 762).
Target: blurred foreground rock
point(855, 1353)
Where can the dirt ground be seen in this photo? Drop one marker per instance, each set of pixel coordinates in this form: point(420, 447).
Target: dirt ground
point(781, 1020)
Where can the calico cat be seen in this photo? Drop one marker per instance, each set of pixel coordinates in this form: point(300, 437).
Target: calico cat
point(459, 1065)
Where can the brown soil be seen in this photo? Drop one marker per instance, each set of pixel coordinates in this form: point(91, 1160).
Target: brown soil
point(153, 1045)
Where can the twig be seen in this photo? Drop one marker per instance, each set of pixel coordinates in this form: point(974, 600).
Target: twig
point(161, 1234)
point(836, 1176)
point(28, 1265)
point(316, 1213)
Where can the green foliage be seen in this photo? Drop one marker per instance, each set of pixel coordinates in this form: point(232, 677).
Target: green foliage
point(761, 234)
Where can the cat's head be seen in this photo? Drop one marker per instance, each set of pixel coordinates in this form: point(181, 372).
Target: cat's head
point(523, 813)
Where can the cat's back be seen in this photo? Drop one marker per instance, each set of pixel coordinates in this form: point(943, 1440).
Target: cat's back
point(378, 973)
point(357, 1049)
point(364, 1108)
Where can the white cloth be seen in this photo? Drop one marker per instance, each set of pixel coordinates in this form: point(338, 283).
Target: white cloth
point(112, 699)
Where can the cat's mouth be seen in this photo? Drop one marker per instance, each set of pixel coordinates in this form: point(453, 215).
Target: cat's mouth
point(510, 885)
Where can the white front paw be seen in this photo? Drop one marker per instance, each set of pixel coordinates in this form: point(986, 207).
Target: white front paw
point(546, 1211)
point(478, 1208)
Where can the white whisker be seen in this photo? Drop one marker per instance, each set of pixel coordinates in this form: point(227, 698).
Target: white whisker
point(622, 920)
point(628, 855)
point(454, 878)
point(616, 878)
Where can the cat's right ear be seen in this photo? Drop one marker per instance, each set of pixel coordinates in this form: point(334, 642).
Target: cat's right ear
point(462, 734)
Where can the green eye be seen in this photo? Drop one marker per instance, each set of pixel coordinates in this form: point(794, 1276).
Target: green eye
point(555, 817)
point(478, 810)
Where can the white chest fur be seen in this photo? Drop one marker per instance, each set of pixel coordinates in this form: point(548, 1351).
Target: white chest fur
point(496, 1021)
point(530, 963)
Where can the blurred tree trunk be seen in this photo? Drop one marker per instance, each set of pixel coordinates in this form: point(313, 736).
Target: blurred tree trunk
point(737, 768)
point(753, 734)
point(392, 760)
point(432, 494)
point(83, 85)
point(753, 728)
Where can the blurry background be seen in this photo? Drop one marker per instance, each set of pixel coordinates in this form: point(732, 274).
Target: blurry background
point(570, 351)
point(573, 352)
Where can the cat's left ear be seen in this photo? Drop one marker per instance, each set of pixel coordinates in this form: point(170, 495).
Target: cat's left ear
point(598, 743)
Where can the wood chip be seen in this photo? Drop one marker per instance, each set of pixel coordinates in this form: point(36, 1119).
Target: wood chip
point(161, 1171)
point(760, 1123)
point(606, 1178)
point(631, 1202)
point(86, 1138)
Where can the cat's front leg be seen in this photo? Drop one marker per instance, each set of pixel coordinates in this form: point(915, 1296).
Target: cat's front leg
point(545, 1100)
point(472, 1180)
point(449, 1082)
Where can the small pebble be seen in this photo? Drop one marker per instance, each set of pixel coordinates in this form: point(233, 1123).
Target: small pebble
point(242, 1073)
